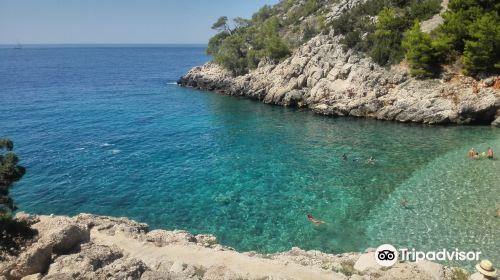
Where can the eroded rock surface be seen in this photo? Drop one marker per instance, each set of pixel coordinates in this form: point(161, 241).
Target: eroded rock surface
point(323, 77)
point(96, 247)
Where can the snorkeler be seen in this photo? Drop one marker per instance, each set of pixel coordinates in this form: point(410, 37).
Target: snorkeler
point(314, 221)
point(404, 203)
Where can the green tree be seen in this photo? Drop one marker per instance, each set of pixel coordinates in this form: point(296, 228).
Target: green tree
point(457, 19)
point(423, 10)
point(482, 49)
point(215, 42)
point(221, 25)
point(263, 14)
point(276, 48)
point(13, 233)
point(387, 37)
point(232, 54)
point(270, 41)
point(419, 52)
point(10, 172)
point(240, 22)
point(470, 29)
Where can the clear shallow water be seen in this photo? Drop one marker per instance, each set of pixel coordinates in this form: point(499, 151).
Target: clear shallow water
point(104, 130)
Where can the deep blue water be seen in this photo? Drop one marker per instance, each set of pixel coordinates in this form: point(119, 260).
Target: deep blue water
point(106, 131)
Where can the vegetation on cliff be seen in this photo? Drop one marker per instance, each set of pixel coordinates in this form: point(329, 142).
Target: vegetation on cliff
point(470, 35)
point(271, 33)
point(386, 30)
point(12, 233)
point(10, 172)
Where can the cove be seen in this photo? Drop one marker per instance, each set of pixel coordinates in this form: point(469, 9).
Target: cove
point(103, 130)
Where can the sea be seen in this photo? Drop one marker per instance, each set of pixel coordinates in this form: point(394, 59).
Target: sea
point(104, 129)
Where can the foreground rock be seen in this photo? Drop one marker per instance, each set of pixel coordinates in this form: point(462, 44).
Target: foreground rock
point(323, 77)
point(95, 247)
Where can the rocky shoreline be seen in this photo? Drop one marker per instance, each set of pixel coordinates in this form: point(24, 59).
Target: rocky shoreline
point(96, 247)
point(324, 78)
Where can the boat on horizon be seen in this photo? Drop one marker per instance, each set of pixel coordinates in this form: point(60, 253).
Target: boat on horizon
point(18, 46)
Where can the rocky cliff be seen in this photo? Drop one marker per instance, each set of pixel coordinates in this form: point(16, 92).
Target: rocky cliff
point(96, 247)
point(323, 77)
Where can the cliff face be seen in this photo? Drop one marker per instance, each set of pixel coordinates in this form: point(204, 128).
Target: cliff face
point(96, 247)
point(323, 77)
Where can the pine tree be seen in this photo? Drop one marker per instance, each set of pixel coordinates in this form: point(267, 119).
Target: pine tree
point(481, 51)
point(13, 233)
point(10, 172)
point(419, 52)
point(387, 37)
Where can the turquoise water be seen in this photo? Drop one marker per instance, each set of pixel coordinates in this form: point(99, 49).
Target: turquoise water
point(105, 130)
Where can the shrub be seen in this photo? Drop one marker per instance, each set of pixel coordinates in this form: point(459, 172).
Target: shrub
point(459, 274)
point(347, 268)
point(321, 24)
point(309, 32)
point(310, 7)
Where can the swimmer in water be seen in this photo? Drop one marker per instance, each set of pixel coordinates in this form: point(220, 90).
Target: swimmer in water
point(404, 203)
point(344, 157)
point(472, 152)
point(489, 153)
point(371, 160)
point(314, 221)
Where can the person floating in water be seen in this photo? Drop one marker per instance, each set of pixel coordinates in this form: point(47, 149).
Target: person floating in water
point(473, 153)
point(344, 157)
point(489, 153)
point(314, 221)
point(371, 160)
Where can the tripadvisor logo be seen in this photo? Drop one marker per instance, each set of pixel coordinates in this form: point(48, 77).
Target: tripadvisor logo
point(387, 255)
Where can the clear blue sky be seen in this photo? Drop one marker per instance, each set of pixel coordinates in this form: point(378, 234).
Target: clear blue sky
point(116, 21)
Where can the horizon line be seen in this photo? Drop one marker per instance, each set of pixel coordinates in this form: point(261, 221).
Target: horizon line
point(101, 44)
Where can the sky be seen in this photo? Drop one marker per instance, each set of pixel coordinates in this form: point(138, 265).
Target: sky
point(116, 21)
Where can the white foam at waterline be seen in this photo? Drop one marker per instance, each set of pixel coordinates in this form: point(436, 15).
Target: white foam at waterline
point(115, 151)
